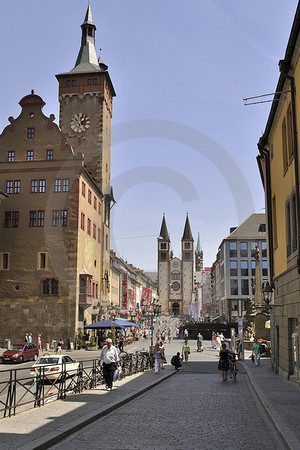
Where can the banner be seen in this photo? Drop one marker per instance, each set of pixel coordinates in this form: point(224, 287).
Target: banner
point(124, 286)
point(146, 296)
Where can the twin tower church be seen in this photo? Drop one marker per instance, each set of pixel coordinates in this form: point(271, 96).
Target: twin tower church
point(176, 277)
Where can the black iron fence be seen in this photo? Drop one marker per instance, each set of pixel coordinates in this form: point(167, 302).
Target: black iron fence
point(22, 389)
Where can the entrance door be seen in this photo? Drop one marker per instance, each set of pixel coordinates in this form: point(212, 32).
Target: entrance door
point(175, 309)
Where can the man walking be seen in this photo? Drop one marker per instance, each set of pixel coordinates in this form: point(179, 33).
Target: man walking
point(256, 352)
point(110, 359)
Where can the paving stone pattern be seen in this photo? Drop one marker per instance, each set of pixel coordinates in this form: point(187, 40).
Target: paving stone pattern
point(188, 411)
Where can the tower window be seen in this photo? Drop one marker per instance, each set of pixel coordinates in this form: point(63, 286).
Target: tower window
point(90, 31)
point(187, 255)
point(163, 255)
point(30, 133)
point(187, 245)
point(163, 246)
point(42, 260)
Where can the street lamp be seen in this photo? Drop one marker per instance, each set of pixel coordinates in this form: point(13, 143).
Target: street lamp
point(267, 295)
point(156, 309)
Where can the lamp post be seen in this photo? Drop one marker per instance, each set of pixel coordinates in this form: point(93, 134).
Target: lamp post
point(156, 309)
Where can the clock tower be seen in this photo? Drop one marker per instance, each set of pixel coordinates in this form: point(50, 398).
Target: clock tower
point(85, 97)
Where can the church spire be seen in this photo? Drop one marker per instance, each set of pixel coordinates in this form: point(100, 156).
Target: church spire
point(187, 234)
point(164, 230)
point(198, 248)
point(87, 60)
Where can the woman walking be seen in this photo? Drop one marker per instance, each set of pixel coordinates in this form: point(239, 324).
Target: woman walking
point(157, 355)
point(223, 365)
point(186, 351)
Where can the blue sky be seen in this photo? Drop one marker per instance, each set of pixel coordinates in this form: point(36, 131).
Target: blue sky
point(182, 139)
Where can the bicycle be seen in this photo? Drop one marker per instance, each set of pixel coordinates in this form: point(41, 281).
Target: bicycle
point(233, 368)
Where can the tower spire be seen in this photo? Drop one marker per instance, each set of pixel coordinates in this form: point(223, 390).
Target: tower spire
point(164, 230)
point(87, 60)
point(198, 248)
point(187, 234)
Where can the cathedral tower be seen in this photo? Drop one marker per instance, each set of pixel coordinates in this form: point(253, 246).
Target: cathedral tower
point(187, 252)
point(163, 248)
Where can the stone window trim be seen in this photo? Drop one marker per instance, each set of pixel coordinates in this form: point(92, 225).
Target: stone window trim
point(99, 235)
point(59, 218)
point(95, 203)
point(49, 154)
point(30, 133)
point(89, 226)
point(89, 196)
point(49, 286)
point(13, 186)
point(291, 223)
point(42, 260)
point(11, 156)
point(61, 185)
point(94, 231)
point(38, 186)
point(30, 155)
point(82, 221)
point(4, 261)
point(36, 218)
point(11, 219)
point(83, 189)
point(99, 208)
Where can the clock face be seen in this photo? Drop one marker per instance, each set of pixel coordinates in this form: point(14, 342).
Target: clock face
point(80, 122)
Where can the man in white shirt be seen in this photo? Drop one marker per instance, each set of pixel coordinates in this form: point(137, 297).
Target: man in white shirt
point(110, 359)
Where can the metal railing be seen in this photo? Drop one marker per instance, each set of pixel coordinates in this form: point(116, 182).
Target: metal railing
point(20, 391)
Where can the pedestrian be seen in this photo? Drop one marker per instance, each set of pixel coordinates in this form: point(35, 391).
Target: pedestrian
point(30, 337)
point(170, 335)
point(199, 342)
point(157, 355)
point(223, 365)
point(186, 334)
point(186, 351)
point(26, 337)
point(256, 349)
point(39, 342)
point(121, 343)
point(222, 337)
point(213, 340)
point(163, 356)
point(218, 342)
point(110, 361)
point(59, 346)
point(176, 361)
point(177, 332)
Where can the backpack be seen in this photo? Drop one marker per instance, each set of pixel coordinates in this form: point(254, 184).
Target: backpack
point(174, 360)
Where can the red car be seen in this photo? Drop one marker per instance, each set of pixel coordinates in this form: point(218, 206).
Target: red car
point(25, 351)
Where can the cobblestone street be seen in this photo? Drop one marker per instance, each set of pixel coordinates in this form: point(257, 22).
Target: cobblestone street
point(193, 409)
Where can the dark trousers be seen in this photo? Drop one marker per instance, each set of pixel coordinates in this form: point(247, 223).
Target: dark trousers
point(108, 373)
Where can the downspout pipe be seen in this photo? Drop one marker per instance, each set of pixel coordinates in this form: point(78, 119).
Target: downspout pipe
point(284, 69)
point(265, 154)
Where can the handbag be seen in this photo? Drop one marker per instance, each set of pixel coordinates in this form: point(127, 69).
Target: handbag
point(252, 357)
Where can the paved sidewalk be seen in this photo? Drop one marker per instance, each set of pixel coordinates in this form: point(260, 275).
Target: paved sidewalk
point(42, 427)
point(280, 399)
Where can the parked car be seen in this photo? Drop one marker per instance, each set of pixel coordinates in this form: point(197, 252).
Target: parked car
point(21, 352)
point(53, 365)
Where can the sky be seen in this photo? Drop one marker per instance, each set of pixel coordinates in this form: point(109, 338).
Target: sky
point(182, 140)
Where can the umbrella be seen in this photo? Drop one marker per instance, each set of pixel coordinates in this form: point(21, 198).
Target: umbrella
point(124, 323)
point(104, 324)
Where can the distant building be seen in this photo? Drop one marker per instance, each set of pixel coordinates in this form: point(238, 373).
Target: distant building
point(235, 266)
point(175, 276)
point(278, 162)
